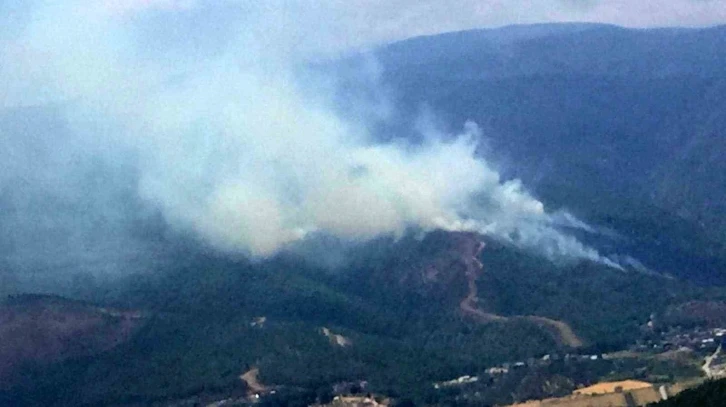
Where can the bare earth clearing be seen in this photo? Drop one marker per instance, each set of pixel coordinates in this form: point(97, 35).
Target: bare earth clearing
point(250, 377)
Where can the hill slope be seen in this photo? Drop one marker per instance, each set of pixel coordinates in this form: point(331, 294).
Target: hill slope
point(397, 310)
point(710, 394)
point(624, 127)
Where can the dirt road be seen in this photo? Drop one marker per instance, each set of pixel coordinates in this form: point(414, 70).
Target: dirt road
point(561, 331)
point(469, 304)
point(707, 364)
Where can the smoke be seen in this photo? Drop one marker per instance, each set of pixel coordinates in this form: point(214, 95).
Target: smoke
point(207, 115)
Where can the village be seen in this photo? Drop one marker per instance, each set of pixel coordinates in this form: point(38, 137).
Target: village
point(693, 355)
point(630, 377)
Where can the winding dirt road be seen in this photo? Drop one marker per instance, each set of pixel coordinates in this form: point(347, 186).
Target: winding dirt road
point(469, 304)
point(561, 331)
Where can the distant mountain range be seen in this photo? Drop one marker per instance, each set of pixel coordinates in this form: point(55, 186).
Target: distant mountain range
point(623, 127)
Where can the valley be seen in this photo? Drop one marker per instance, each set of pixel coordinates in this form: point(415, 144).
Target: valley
point(285, 333)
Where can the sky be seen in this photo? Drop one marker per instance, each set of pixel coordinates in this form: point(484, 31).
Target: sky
point(344, 25)
point(364, 22)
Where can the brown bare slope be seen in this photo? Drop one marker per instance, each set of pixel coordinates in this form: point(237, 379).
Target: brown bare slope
point(253, 383)
point(45, 329)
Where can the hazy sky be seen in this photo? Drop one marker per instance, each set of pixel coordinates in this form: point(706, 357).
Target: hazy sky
point(334, 25)
point(341, 24)
point(373, 21)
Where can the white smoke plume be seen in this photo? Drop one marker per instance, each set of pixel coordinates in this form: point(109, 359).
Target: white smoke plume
point(229, 141)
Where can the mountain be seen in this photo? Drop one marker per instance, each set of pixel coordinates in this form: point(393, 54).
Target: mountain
point(399, 316)
point(42, 330)
point(623, 127)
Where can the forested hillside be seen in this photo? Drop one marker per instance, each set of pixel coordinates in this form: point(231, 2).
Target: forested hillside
point(211, 319)
point(709, 394)
point(623, 127)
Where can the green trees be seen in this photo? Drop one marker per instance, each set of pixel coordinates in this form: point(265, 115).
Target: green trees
point(709, 394)
point(201, 334)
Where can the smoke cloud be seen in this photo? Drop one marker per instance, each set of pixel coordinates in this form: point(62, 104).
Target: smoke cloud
point(208, 115)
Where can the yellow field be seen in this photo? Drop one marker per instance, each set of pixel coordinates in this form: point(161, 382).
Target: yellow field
point(631, 389)
point(612, 387)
